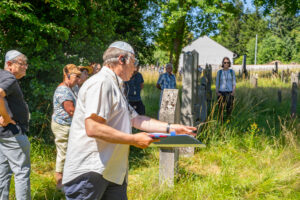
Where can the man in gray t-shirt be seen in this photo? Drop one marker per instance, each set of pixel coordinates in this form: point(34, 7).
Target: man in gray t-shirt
point(14, 119)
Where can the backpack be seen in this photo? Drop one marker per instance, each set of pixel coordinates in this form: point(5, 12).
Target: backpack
point(220, 74)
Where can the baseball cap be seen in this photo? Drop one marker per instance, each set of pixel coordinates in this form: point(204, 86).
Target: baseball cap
point(11, 55)
point(123, 46)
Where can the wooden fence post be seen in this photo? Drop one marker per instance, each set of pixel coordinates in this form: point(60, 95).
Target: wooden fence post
point(245, 73)
point(254, 80)
point(294, 100)
point(279, 94)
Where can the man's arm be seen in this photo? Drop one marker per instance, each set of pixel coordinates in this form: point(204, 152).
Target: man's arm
point(5, 119)
point(159, 82)
point(152, 125)
point(96, 127)
point(158, 86)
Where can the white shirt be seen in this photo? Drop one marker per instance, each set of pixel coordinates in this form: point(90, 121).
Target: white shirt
point(100, 95)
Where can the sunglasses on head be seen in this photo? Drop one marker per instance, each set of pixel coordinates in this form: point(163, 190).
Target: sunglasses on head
point(77, 75)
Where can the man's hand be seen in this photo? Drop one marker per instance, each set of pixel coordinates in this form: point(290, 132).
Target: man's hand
point(181, 129)
point(143, 140)
point(5, 121)
point(232, 93)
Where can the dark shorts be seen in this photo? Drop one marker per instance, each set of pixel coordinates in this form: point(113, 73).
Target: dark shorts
point(92, 186)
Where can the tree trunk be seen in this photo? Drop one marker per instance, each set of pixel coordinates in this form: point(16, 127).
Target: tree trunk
point(178, 40)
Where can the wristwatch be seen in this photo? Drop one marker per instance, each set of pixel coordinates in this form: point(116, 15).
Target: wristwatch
point(168, 128)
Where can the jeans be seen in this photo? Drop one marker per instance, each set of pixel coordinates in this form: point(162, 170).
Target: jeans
point(225, 101)
point(15, 158)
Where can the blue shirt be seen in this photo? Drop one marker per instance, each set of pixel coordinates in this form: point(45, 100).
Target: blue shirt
point(61, 94)
point(134, 87)
point(167, 81)
point(226, 81)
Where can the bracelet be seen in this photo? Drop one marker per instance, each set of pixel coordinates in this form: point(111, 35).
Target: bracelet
point(168, 128)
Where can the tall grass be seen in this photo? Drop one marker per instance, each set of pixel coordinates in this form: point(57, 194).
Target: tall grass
point(255, 155)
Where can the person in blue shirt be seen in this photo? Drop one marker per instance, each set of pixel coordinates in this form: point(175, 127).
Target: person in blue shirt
point(225, 87)
point(134, 87)
point(166, 80)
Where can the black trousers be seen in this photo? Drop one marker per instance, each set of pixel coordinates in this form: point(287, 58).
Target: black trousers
point(225, 101)
point(138, 107)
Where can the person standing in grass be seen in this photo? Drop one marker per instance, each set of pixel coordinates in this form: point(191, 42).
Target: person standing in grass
point(14, 124)
point(225, 88)
point(96, 164)
point(64, 101)
point(134, 87)
point(166, 81)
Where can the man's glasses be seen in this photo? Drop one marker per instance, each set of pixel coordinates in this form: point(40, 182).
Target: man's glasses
point(21, 64)
point(136, 61)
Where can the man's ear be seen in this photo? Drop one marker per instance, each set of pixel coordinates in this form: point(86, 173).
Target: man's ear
point(9, 63)
point(122, 59)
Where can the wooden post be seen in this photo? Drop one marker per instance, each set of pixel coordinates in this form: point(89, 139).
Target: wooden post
point(254, 80)
point(279, 96)
point(294, 100)
point(245, 73)
point(283, 76)
point(276, 68)
point(168, 157)
point(294, 78)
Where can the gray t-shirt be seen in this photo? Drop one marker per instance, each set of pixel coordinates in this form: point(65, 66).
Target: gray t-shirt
point(15, 105)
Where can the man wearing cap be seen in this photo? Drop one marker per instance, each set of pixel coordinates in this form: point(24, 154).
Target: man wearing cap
point(14, 124)
point(96, 164)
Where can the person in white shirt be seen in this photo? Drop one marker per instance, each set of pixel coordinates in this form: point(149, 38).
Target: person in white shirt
point(96, 164)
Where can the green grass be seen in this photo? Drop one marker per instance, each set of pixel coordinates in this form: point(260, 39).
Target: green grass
point(254, 156)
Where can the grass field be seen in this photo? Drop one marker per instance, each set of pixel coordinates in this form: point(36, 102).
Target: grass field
point(254, 156)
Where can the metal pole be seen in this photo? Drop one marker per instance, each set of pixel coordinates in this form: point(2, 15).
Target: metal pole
point(255, 50)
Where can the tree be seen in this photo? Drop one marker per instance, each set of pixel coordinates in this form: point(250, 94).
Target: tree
point(181, 17)
point(53, 33)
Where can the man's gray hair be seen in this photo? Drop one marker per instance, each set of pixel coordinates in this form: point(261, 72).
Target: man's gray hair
point(111, 55)
point(169, 65)
point(20, 56)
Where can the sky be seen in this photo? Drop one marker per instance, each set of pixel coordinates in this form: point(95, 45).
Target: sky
point(249, 5)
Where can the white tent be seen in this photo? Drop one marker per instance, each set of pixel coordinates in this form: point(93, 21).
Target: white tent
point(210, 51)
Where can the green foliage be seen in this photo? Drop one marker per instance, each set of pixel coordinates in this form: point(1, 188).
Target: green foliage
point(181, 17)
point(277, 35)
point(54, 33)
point(254, 156)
